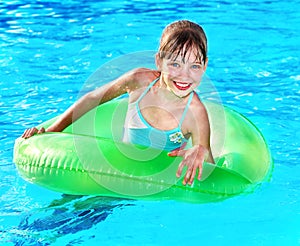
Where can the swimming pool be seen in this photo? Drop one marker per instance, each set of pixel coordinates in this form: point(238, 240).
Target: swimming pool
point(50, 48)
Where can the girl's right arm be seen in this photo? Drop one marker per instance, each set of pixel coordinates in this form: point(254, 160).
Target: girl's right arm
point(126, 83)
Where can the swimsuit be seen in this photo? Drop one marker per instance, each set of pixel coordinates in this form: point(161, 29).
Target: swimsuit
point(138, 131)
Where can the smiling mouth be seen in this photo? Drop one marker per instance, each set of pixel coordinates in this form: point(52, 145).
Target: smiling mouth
point(182, 86)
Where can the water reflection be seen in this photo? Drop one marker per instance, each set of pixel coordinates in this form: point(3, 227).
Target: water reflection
point(64, 216)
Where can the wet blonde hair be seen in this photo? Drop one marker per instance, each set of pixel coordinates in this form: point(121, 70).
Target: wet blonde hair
point(179, 37)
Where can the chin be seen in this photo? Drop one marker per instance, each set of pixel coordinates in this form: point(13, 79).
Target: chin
point(182, 94)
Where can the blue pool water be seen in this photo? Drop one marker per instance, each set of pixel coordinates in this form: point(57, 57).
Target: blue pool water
point(49, 48)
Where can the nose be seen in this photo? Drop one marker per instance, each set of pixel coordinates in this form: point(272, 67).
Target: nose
point(185, 71)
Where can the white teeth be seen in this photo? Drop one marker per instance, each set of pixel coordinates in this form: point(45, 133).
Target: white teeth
point(182, 84)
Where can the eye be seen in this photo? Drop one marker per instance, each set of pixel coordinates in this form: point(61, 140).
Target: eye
point(196, 66)
point(174, 64)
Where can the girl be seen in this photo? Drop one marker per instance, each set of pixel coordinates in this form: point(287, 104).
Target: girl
point(163, 111)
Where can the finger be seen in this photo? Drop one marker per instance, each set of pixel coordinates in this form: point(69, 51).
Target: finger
point(190, 175)
point(42, 130)
point(187, 175)
point(180, 168)
point(173, 153)
point(200, 171)
point(24, 133)
point(177, 152)
point(191, 180)
point(30, 132)
point(186, 178)
point(201, 168)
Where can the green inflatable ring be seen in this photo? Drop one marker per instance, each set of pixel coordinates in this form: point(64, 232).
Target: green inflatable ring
point(88, 158)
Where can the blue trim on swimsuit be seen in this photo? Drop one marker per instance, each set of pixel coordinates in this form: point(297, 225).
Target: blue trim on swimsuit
point(153, 137)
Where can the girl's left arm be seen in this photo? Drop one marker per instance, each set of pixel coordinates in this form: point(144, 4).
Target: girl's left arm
point(194, 157)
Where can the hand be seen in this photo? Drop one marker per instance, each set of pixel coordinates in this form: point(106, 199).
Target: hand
point(31, 131)
point(193, 158)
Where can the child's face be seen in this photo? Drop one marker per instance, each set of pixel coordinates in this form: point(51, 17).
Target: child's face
point(181, 75)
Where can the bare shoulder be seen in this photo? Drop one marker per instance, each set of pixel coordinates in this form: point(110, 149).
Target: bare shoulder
point(197, 107)
point(197, 116)
point(141, 77)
